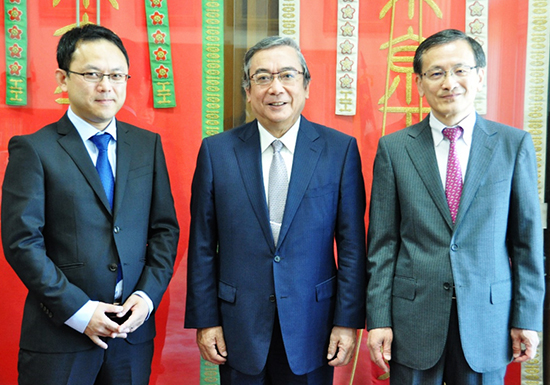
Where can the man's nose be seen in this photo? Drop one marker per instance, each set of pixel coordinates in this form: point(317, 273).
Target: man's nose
point(450, 80)
point(276, 86)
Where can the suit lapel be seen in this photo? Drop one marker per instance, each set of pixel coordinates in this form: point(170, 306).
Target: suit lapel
point(308, 149)
point(247, 152)
point(484, 141)
point(123, 158)
point(71, 142)
point(420, 148)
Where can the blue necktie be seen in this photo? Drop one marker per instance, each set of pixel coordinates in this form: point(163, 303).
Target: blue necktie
point(103, 167)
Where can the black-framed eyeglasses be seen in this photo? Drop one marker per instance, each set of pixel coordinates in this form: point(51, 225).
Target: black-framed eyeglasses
point(96, 77)
point(438, 74)
point(287, 77)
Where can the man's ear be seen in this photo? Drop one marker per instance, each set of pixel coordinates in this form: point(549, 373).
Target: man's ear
point(61, 78)
point(419, 85)
point(481, 76)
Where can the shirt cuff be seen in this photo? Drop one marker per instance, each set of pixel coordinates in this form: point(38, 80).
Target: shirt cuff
point(80, 320)
point(148, 300)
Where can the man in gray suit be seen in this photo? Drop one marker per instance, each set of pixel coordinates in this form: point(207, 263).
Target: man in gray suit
point(455, 264)
point(89, 227)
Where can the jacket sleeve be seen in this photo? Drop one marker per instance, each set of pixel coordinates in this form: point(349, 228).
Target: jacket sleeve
point(202, 299)
point(525, 241)
point(23, 222)
point(162, 234)
point(350, 241)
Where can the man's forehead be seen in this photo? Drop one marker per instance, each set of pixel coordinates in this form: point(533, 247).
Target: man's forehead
point(283, 54)
point(458, 49)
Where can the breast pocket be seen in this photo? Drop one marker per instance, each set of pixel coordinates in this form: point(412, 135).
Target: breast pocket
point(140, 171)
point(493, 188)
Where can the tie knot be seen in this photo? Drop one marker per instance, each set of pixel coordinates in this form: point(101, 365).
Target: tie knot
point(277, 145)
point(101, 141)
point(452, 133)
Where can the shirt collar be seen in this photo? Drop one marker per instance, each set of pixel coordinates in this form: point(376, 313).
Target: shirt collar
point(86, 130)
point(288, 139)
point(467, 125)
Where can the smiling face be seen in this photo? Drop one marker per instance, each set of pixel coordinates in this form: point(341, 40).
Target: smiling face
point(96, 103)
point(276, 106)
point(452, 98)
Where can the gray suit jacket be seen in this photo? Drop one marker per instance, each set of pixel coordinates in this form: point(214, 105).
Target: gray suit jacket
point(492, 254)
point(62, 239)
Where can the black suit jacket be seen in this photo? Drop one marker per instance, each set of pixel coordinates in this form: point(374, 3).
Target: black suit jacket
point(62, 239)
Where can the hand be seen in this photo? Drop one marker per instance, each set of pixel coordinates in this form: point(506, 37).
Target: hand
point(341, 345)
point(379, 342)
point(529, 338)
point(140, 311)
point(101, 326)
point(212, 344)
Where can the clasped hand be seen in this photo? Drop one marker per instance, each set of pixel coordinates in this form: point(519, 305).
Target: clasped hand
point(102, 326)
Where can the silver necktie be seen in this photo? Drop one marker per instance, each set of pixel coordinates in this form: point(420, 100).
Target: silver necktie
point(278, 188)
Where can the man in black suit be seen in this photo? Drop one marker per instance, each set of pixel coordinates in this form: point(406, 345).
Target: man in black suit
point(93, 245)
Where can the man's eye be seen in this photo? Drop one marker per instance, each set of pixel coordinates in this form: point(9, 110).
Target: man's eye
point(287, 75)
point(94, 75)
point(436, 74)
point(117, 76)
point(263, 77)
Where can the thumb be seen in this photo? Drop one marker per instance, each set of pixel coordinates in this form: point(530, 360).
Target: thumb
point(386, 350)
point(220, 347)
point(516, 347)
point(332, 349)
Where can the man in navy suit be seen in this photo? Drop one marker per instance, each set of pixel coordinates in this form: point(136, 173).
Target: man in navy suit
point(89, 228)
point(269, 299)
point(455, 263)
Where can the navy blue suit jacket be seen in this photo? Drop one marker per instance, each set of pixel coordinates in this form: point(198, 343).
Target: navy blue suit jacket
point(234, 268)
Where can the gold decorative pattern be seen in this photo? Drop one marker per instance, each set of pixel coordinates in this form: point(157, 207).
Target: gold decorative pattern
point(289, 19)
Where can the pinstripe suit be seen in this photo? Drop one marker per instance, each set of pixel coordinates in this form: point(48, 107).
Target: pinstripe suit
point(492, 255)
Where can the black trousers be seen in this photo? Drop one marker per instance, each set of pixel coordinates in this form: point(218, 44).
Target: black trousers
point(452, 368)
point(277, 369)
point(121, 364)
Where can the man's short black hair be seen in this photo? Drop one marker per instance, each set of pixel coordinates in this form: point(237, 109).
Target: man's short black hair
point(444, 37)
point(89, 32)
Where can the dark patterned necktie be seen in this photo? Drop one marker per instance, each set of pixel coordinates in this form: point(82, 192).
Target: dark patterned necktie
point(453, 181)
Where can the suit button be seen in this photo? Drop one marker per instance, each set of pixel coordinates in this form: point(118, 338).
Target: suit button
point(454, 247)
point(116, 229)
point(272, 298)
point(113, 267)
point(447, 286)
point(277, 258)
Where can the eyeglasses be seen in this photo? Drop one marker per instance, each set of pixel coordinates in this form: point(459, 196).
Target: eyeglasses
point(437, 74)
point(287, 77)
point(97, 77)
